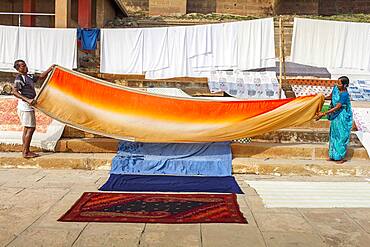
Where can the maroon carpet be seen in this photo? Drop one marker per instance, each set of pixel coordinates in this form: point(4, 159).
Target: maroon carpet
point(155, 208)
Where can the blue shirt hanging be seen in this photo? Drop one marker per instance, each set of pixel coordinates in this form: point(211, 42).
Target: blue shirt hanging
point(88, 37)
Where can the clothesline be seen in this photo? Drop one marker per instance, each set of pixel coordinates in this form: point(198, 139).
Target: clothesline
point(191, 50)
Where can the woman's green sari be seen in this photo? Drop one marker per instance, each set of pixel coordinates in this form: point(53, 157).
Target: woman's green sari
point(340, 126)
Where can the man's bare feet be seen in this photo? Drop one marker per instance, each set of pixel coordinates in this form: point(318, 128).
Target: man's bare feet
point(30, 155)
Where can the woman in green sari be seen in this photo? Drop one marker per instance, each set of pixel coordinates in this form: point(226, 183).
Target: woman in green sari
point(340, 116)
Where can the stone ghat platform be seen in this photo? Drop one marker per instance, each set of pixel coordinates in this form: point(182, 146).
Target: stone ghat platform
point(300, 150)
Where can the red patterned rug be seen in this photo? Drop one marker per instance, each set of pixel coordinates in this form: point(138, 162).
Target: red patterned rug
point(48, 131)
point(10, 121)
point(155, 208)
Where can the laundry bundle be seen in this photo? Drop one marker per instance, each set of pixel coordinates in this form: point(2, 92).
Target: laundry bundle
point(331, 44)
point(38, 47)
point(188, 51)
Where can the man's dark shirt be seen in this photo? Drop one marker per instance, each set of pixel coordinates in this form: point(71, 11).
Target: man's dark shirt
point(26, 85)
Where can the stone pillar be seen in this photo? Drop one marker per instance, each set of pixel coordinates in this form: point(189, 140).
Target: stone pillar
point(62, 13)
point(28, 7)
point(167, 7)
point(84, 13)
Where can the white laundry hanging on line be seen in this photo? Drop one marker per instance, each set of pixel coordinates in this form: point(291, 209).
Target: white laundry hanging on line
point(331, 44)
point(205, 48)
point(246, 85)
point(224, 50)
point(177, 56)
point(256, 44)
point(42, 47)
point(8, 47)
point(121, 51)
point(155, 48)
point(198, 40)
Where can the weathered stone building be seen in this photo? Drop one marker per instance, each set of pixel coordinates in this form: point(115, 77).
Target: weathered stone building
point(248, 7)
point(94, 13)
point(68, 13)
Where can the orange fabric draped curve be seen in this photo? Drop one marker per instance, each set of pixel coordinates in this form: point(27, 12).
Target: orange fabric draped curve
point(120, 112)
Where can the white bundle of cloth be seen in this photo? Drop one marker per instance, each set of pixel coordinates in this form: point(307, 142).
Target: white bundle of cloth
point(361, 116)
point(245, 85)
point(331, 44)
point(38, 47)
point(359, 90)
point(194, 51)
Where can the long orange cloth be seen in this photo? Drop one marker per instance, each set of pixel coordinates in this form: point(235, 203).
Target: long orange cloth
point(103, 108)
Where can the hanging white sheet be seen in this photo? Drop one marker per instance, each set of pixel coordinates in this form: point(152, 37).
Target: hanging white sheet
point(190, 51)
point(198, 40)
point(42, 47)
point(256, 44)
point(177, 56)
point(224, 50)
point(155, 51)
point(121, 51)
point(331, 44)
point(8, 47)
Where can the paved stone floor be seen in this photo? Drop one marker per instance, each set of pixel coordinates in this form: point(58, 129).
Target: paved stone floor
point(31, 201)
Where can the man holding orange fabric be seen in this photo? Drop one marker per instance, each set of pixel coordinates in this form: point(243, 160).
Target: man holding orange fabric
point(24, 90)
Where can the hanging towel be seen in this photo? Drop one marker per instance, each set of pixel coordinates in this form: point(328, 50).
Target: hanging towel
point(331, 44)
point(88, 37)
point(177, 56)
point(223, 54)
point(42, 47)
point(256, 45)
point(121, 51)
point(8, 47)
point(198, 40)
point(155, 49)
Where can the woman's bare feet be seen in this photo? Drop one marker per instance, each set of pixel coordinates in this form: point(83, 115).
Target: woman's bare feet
point(329, 159)
point(340, 161)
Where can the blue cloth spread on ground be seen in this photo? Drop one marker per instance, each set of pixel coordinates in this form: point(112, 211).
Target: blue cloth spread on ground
point(88, 37)
point(165, 183)
point(206, 159)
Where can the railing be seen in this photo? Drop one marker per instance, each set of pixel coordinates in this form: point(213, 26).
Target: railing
point(20, 14)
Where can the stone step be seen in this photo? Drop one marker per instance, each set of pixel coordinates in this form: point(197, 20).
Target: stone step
point(251, 150)
point(276, 167)
point(288, 167)
point(300, 135)
point(291, 151)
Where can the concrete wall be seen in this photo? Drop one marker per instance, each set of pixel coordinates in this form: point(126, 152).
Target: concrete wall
point(264, 7)
point(167, 7)
point(105, 10)
point(136, 5)
point(331, 7)
point(307, 7)
point(245, 7)
point(238, 7)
